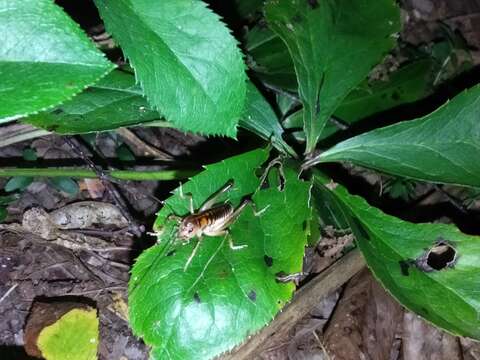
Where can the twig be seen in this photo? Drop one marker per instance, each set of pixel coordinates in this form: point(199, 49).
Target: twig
point(306, 298)
point(288, 94)
point(135, 228)
point(146, 149)
point(97, 290)
point(452, 200)
point(325, 352)
point(15, 133)
point(134, 175)
point(13, 287)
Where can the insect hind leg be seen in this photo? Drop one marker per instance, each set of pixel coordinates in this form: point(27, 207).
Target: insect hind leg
point(212, 200)
point(194, 251)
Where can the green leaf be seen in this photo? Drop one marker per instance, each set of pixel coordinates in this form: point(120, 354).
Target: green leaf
point(65, 184)
point(18, 183)
point(74, 337)
point(3, 213)
point(113, 102)
point(408, 84)
point(395, 252)
point(442, 147)
point(45, 58)
point(323, 38)
point(124, 153)
point(186, 60)
point(270, 59)
point(259, 118)
point(29, 154)
point(225, 295)
point(7, 199)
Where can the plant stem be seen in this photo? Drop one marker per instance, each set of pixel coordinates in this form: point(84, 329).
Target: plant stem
point(86, 173)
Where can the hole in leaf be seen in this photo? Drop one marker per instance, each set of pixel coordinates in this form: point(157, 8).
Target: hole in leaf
point(196, 297)
point(52, 128)
point(404, 265)
point(313, 3)
point(440, 256)
point(252, 295)
point(171, 252)
point(268, 260)
point(304, 225)
point(57, 111)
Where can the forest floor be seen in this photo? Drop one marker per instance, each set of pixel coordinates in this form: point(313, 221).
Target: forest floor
point(43, 258)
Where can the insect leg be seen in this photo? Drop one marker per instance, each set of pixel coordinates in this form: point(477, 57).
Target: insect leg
point(195, 249)
point(187, 195)
point(275, 162)
point(232, 246)
point(212, 200)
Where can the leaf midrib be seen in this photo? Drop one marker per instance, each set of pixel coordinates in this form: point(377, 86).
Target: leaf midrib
point(172, 53)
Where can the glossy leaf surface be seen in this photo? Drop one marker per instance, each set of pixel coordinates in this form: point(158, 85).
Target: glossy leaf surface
point(113, 102)
point(224, 295)
point(270, 59)
point(323, 38)
point(259, 118)
point(408, 84)
point(185, 58)
point(45, 58)
point(447, 295)
point(442, 147)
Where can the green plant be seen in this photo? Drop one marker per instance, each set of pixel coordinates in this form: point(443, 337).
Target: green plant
point(189, 74)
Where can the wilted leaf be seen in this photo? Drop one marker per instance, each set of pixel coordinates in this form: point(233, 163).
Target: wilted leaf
point(45, 58)
point(73, 337)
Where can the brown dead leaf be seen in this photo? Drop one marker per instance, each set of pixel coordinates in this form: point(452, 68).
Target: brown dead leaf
point(363, 325)
point(422, 341)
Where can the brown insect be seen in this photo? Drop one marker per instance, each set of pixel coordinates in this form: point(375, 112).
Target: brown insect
point(209, 220)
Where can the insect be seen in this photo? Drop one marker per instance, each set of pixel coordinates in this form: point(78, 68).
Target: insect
point(210, 220)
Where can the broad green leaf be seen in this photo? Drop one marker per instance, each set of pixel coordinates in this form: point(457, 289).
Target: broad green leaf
point(3, 213)
point(185, 58)
point(259, 118)
point(45, 58)
point(18, 183)
point(408, 84)
point(442, 147)
point(225, 295)
point(73, 337)
point(269, 58)
point(395, 252)
point(333, 44)
point(113, 102)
